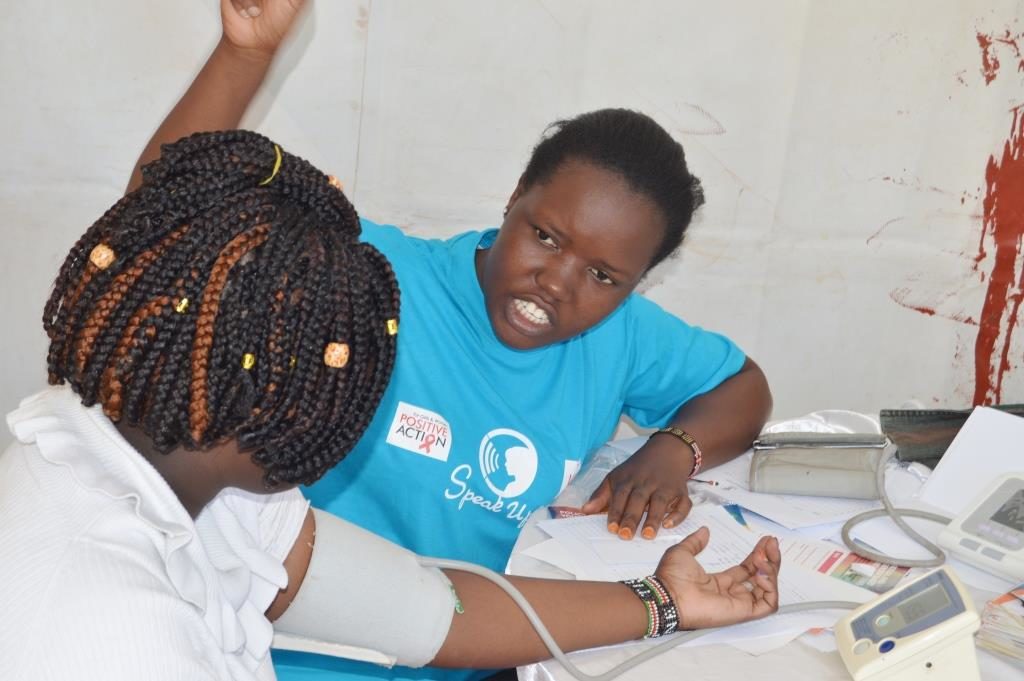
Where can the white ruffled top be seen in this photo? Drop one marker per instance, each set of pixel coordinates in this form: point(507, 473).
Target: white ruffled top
point(85, 518)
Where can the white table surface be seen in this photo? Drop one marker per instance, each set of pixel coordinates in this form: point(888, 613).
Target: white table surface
point(794, 662)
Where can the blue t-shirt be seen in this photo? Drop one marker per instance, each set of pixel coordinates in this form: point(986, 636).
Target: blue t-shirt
point(472, 436)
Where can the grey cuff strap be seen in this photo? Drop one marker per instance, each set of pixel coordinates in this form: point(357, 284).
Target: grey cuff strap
point(365, 598)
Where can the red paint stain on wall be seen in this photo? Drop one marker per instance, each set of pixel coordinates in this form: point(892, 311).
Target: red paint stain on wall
point(1003, 226)
point(989, 61)
point(904, 296)
point(923, 309)
point(988, 42)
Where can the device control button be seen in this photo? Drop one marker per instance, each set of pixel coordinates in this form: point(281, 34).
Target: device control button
point(882, 621)
point(886, 645)
point(861, 646)
point(993, 554)
point(969, 544)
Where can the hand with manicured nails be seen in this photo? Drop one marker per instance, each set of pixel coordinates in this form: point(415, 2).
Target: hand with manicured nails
point(654, 480)
point(258, 25)
point(743, 592)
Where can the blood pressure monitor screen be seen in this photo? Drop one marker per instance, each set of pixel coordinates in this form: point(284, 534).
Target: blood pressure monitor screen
point(1011, 513)
point(990, 532)
point(930, 600)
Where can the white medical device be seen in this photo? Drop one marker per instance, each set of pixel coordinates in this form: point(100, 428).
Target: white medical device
point(921, 630)
point(989, 534)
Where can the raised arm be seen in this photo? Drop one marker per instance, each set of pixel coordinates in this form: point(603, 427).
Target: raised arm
point(253, 30)
point(489, 630)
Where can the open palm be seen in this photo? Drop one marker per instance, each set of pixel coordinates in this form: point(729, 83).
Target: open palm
point(743, 592)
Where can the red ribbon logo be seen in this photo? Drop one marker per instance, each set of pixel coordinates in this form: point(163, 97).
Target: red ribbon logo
point(428, 442)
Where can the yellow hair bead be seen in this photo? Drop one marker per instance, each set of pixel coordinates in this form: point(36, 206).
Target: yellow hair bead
point(248, 361)
point(335, 182)
point(392, 327)
point(336, 355)
point(101, 256)
point(277, 166)
point(181, 306)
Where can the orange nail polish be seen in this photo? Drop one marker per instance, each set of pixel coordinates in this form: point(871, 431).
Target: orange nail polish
point(613, 527)
point(648, 533)
point(626, 533)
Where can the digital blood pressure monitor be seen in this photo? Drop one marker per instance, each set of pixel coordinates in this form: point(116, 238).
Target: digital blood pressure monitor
point(921, 630)
point(989, 534)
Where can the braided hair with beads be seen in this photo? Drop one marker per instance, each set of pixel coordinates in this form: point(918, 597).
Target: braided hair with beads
point(210, 303)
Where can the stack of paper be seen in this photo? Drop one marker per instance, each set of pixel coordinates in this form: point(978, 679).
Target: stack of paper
point(829, 558)
point(1002, 624)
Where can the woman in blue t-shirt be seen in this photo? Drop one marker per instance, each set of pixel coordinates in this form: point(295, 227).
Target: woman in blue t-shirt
point(605, 197)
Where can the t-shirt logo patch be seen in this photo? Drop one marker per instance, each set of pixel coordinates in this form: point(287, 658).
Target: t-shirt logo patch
point(420, 431)
point(508, 462)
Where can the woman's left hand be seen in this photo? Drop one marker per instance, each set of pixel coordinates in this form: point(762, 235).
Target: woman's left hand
point(653, 479)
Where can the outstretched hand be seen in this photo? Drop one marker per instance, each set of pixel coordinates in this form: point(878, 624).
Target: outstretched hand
point(743, 592)
point(654, 480)
point(258, 25)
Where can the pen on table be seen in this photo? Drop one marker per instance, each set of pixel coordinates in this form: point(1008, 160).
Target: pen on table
point(713, 483)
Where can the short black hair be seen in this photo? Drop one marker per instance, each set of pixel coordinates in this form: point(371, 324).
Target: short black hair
point(633, 145)
point(200, 305)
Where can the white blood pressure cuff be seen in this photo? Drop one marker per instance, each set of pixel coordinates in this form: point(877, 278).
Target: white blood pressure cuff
point(365, 598)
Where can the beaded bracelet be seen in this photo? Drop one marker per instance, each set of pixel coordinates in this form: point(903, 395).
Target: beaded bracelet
point(662, 616)
point(698, 456)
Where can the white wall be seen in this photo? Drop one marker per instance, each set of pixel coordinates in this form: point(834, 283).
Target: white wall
point(843, 148)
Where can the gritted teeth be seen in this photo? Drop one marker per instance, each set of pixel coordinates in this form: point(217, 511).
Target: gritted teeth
point(532, 312)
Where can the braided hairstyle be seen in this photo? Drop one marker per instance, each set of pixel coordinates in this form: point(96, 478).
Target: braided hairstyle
point(633, 145)
point(199, 308)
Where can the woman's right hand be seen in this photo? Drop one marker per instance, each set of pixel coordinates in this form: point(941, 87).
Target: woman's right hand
point(744, 592)
point(258, 25)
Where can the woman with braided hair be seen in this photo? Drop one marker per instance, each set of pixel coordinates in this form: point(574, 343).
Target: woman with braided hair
point(219, 336)
point(182, 329)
